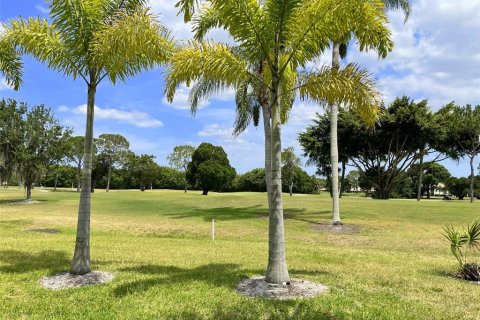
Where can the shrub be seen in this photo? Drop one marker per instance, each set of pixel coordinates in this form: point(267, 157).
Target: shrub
point(463, 243)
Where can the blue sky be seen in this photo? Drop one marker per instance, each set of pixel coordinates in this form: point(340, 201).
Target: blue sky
point(436, 57)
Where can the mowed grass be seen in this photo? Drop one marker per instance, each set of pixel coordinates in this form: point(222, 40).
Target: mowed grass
point(395, 265)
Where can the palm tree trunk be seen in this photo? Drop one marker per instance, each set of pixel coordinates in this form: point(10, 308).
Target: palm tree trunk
point(109, 176)
point(290, 189)
point(472, 177)
point(81, 258)
point(342, 179)
point(420, 178)
point(79, 181)
point(277, 266)
point(268, 151)
point(334, 145)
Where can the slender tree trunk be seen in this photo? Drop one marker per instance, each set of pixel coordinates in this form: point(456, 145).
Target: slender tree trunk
point(334, 145)
point(79, 181)
point(342, 179)
point(277, 271)
point(81, 259)
point(56, 181)
point(186, 187)
point(420, 178)
point(109, 176)
point(290, 189)
point(268, 151)
point(28, 191)
point(472, 177)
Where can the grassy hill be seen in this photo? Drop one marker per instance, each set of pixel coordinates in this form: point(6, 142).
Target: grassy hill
point(391, 262)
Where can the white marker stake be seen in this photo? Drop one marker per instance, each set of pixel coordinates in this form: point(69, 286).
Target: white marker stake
point(213, 229)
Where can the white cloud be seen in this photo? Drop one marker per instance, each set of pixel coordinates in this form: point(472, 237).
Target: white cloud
point(136, 118)
point(42, 9)
point(215, 130)
point(436, 54)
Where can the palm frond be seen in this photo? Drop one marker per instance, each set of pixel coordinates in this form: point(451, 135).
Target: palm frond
point(404, 5)
point(10, 65)
point(202, 90)
point(350, 86)
point(207, 19)
point(187, 8)
point(216, 62)
point(132, 43)
point(38, 38)
point(244, 21)
point(472, 235)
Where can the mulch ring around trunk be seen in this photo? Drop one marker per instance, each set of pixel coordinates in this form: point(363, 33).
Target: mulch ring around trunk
point(257, 287)
point(343, 228)
point(45, 230)
point(25, 202)
point(66, 280)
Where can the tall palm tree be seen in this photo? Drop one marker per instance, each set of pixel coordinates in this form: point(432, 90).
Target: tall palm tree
point(286, 35)
point(339, 50)
point(92, 40)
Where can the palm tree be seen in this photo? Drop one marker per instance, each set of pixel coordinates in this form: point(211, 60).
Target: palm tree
point(92, 40)
point(339, 51)
point(285, 35)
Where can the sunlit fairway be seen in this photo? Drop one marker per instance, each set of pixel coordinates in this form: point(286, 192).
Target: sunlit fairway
point(395, 265)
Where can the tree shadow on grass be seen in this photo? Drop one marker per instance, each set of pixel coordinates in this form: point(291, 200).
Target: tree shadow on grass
point(218, 275)
point(253, 309)
point(300, 215)
point(232, 213)
point(10, 201)
point(226, 275)
point(22, 262)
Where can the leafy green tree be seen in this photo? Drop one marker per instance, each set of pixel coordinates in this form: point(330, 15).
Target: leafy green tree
point(463, 134)
point(35, 153)
point(143, 168)
point(383, 154)
point(353, 178)
point(180, 158)
point(92, 40)
point(433, 174)
point(290, 162)
point(75, 154)
point(114, 147)
point(12, 128)
point(253, 180)
point(63, 176)
point(281, 36)
point(210, 168)
point(60, 153)
point(458, 187)
point(169, 178)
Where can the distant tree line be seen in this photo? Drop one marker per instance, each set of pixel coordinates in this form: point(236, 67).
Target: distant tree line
point(398, 158)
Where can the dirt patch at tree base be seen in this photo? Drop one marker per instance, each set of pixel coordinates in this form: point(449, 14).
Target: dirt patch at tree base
point(25, 202)
point(66, 280)
point(257, 287)
point(342, 228)
point(45, 230)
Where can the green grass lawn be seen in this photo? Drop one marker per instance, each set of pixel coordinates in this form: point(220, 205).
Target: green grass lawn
point(396, 265)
